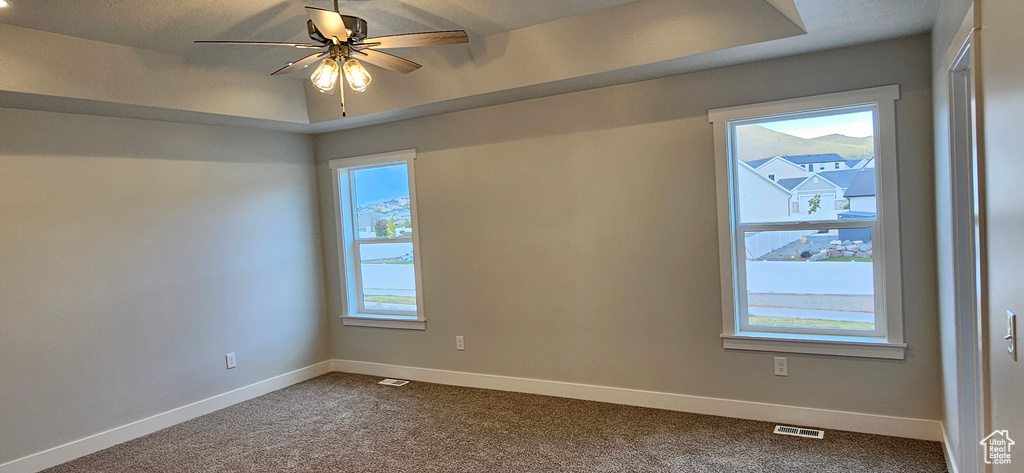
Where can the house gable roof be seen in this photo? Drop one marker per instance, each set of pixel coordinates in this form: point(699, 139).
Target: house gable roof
point(841, 178)
point(815, 158)
point(863, 184)
point(760, 163)
point(762, 176)
point(792, 182)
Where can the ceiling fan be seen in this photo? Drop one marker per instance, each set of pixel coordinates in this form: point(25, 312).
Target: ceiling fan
point(344, 38)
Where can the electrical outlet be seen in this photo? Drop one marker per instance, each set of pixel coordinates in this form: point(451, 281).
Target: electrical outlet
point(230, 359)
point(781, 366)
point(460, 344)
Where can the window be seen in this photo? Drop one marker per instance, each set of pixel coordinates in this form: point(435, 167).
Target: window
point(837, 165)
point(771, 176)
point(378, 245)
point(801, 271)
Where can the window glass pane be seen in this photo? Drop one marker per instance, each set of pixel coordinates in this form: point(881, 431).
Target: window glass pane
point(388, 276)
point(805, 169)
point(382, 202)
point(811, 279)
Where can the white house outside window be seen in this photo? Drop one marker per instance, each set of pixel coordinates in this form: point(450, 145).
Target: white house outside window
point(810, 261)
point(378, 242)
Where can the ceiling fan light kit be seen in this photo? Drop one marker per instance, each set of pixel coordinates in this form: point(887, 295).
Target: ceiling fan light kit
point(356, 75)
point(345, 36)
point(325, 75)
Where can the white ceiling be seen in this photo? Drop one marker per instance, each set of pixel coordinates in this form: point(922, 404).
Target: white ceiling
point(505, 36)
point(868, 19)
point(829, 24)
point(171, 26)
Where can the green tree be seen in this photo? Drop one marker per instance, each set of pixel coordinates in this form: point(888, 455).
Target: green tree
point(380, 228)
point(391, 226)
point(815, 203)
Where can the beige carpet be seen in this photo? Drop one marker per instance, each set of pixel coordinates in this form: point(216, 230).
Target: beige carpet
point(348, 423)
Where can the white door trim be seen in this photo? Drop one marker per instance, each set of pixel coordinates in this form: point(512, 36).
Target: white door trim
point(968, 255)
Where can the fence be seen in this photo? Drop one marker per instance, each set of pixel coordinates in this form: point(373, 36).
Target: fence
point(762, 243)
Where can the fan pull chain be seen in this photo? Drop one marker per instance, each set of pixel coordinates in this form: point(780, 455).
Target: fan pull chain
point(341, 94)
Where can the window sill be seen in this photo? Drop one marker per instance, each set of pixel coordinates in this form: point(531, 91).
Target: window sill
point(815, 345)
point(384, 322)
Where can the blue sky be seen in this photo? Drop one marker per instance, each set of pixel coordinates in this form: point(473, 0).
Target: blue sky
point(857, 124)
point(381, 183)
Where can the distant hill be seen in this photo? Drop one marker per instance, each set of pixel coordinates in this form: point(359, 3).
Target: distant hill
point(759, 142)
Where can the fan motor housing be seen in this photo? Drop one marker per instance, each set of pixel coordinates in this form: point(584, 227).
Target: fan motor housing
point(352, 23)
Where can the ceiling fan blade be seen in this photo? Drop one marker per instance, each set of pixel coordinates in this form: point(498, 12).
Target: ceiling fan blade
point(264, 43)
point(292, 67)
point(412, 40)
point(388, 61)
point(328, 22)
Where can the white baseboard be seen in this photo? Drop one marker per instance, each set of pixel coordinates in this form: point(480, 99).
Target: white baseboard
point(801, 416)
point(94, 443)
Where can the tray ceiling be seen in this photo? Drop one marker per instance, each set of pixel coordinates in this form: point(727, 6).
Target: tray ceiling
point(135, 58)
point(171, 26)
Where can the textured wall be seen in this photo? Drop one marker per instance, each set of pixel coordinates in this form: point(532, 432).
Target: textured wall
point(133, 256)
point(574, 238)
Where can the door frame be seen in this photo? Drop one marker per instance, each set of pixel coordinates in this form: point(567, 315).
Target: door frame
point(966, 205)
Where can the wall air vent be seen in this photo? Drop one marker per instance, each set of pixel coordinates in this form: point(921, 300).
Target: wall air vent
point(798, 432)
point(394, 382)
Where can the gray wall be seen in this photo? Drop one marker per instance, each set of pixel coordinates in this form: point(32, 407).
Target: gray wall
point(1002, 63)
point(950, 16)
point(573, 238)
point(133, 256)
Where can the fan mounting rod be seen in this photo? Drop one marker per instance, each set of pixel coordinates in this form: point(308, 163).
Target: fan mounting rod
point(340, 51)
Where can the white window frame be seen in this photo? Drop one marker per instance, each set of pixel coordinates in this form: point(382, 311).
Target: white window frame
point(348, 243)
point(887, 341)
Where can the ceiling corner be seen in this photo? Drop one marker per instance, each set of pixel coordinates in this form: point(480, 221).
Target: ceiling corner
point(788, 8)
